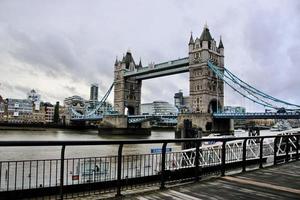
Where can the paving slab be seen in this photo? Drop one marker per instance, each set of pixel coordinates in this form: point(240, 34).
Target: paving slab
point(277, 182)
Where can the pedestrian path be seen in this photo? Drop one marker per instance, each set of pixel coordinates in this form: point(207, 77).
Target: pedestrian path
point(277, 182)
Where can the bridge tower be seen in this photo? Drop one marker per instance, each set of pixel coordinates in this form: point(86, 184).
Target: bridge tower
point(127, 91)
point(206, 90)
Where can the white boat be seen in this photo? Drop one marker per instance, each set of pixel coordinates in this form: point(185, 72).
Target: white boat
point(240, 133)
point(281, 125)
point(214, 135)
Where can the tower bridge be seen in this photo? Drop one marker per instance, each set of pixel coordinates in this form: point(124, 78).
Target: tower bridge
point(207, 76)
point(206, 89)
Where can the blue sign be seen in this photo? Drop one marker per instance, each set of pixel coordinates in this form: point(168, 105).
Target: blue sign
point(159, 150)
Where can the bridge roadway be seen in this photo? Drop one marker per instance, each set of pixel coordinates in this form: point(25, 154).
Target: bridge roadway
point(277, 182)
point(161, 69)
point(173, 118)
point(257, 115)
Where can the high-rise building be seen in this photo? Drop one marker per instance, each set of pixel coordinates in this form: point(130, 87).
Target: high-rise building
point(182, 103)
point(94, 92)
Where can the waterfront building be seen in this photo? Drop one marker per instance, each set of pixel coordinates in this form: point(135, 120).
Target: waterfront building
point(182, 103)
point(35, 98)
point(49, 112)
point(234, 109)
point(147, 109)
point(76, 102)
point(2, 109)
point(19, 110)
point(260, 122)
point(38, 116)
point(158, 108)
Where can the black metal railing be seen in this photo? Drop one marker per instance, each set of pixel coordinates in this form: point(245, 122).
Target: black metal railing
point(68, 177)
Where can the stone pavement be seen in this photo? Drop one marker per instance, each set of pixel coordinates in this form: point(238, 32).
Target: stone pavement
point(277, 182)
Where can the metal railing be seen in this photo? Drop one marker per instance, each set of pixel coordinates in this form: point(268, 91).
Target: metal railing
point(68, 177)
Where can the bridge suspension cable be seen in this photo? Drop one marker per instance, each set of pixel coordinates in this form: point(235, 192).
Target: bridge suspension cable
point(92, 112)
point(221, 75)
point(103, 100)
point(255, 95)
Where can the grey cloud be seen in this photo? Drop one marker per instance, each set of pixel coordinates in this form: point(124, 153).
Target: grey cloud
point(80, 41)
point(70, 89)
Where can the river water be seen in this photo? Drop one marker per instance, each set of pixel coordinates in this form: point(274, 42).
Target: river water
point(29, 153)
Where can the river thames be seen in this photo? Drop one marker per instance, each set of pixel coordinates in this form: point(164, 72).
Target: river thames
point(21, 153)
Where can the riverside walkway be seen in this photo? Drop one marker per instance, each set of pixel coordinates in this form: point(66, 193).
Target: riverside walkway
point(276, 182)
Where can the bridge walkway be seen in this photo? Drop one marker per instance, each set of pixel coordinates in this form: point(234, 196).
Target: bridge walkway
point(277, 182)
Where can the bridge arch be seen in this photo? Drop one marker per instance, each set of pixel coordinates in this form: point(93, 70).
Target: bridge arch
point(214, 106)
point(129, 110)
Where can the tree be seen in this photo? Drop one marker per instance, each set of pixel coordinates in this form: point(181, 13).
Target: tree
point(56, 113)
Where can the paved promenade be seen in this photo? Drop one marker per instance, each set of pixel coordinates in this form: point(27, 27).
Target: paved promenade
point(280, 182)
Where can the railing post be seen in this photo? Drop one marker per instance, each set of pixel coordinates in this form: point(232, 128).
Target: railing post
point(119, 171)
point(244, 155)
point(261, 149)
point(297, 147)
point(275, 150)
point(62, 169)
point(197, 157)
point(163, 166)
point(223, 161)
point(287, 148)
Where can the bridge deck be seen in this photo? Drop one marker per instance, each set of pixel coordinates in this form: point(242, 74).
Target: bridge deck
point(280, 182)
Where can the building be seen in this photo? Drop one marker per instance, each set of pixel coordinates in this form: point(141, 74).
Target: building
point(48, 111)
point(94, 92)
point(182, 103)
point(147, 109)
point(93, 95)
point(76, 102)
point(2, 109)
point(234, 109)
point(158, 108)
point(19, 110)
point(38, 116)
point(35, 98)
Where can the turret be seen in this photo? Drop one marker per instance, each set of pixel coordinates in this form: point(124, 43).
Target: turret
point(191, 43)
point(128, 61)
point(221, 47)
point(140, 64)
point(205, 38)
point(116, 62)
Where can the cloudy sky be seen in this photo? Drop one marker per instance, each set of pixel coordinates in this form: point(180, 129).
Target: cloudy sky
point(60, 47)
